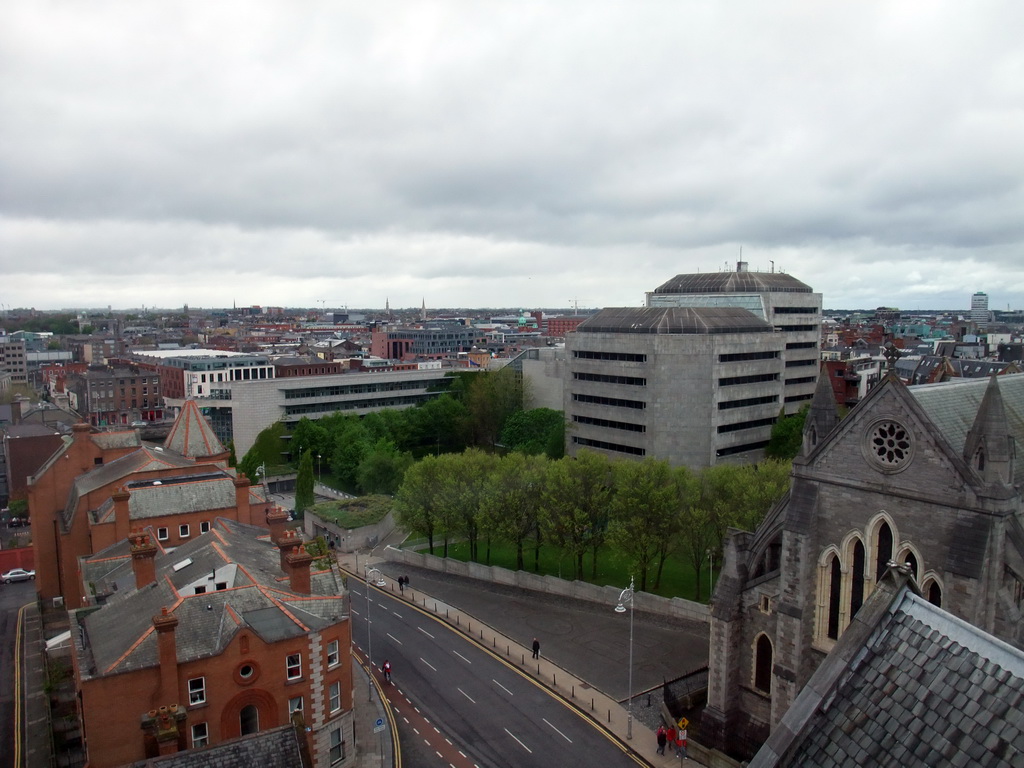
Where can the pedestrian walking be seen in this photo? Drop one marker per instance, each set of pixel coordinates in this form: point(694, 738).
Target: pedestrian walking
point(536, 648)
point(662, 739)
point(681, 743)
point(387, 670)
point(401, 584)
point(670, 735)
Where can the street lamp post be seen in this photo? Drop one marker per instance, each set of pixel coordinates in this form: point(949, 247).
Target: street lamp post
point(319, 471)
point(711, 573)
point(627, 594)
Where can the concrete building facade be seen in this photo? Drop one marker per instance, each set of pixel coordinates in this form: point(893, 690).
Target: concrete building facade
point(788, 305)
point(691, 385)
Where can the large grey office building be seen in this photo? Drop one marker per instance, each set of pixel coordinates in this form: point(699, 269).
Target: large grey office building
point(699, 375)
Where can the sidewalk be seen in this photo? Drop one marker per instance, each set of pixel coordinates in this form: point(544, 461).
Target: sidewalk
point(589, 700)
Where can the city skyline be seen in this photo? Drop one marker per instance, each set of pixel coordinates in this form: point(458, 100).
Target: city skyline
point(467, 154)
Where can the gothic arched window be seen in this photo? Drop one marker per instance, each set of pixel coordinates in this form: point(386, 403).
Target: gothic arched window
point(857, 580)
point(249, 719)
point(835, 584)
point(883, 550)
point(763, 664)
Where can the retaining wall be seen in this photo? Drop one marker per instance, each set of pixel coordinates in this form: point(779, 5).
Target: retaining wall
point(579, 590)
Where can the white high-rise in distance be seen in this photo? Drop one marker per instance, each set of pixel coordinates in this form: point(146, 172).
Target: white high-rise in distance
point(979, 308)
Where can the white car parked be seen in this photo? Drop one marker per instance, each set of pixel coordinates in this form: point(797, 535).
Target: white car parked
point(17, 574)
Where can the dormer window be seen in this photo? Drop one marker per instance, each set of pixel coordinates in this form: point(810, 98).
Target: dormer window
point(979, 461)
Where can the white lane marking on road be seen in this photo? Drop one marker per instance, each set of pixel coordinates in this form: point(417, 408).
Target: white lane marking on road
point(397, 614)
point(395, 639)
point(557, 731)
point(439, 754)
point(462, 657)
point(415, 730)
point(354, 613)
point(428, 663)
point(462, 753)
point(421, 629)
point(438, 732)
point(506, 690)
point(520, 743)
point(449, 742)
point(406, 719)
point(465, 694)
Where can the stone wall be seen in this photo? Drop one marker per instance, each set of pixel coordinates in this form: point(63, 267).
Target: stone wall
point(348, 539)
point(579, 590)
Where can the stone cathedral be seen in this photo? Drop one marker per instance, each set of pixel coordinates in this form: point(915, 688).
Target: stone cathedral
point(924, 476)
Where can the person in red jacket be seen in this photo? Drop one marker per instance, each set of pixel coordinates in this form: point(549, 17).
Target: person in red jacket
point(387, 670)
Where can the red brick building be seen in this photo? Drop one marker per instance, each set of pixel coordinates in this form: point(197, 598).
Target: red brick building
point(560, 326)
point(94, 490)
point(228, 635)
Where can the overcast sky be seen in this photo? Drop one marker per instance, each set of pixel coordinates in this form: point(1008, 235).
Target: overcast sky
point(507, 154)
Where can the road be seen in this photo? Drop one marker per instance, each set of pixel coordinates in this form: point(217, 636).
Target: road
point(466, 703)
point(12, 598)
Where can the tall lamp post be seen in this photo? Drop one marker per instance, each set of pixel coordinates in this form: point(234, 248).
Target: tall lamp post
point(319, 472)
point(372, 574)
point(627, 595)
point(711, 573)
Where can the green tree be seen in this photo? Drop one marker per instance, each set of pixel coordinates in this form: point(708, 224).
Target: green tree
point(351, 443)
point(312, 436)
point(304, 495)
point(491, 398)
point(382, 468)
point(696, 524)
point(511, 500)
point(538, 430)
point(268, 449)
point(643, 512)
point(440, 425)
point(787, 435)
point(419, 501)
point(576, 495)
point(463, 490)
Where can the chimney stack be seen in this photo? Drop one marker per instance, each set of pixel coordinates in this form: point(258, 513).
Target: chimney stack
point(164, 726)
point(276, 520)
point(287, 543)
point(143, 559)
point(298, 563)
point(242, 499)
point(165, 625)
point(122, 524)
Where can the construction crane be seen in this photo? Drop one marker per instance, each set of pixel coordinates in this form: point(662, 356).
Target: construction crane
point(575, 304)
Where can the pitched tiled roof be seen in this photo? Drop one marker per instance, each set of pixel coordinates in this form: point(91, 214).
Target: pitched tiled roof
point(916, 686)
point(953, 405)
point(119, 636)
point(192, 435)
point(108, 440)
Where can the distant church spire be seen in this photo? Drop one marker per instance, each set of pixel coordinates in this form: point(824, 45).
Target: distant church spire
point(423, 311)
point(989, 446)
point(822, 416)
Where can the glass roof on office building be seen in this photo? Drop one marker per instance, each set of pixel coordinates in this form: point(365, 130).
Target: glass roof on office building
point(678, 320)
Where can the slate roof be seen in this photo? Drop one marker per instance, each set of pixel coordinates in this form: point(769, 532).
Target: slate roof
point(274, 748)
point(910, 685)
point(953, 405)
point(119, 636)
point(192, 435)
point(108, 440)
point(674, 320)
point(734, 282)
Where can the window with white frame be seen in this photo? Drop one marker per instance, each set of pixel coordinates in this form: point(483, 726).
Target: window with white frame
point(335, 697)
point(332, 653)
point(337, 746)
point(197, 690)
point(161, 534)
point(183, 531)
point(204, 527)
point(295, 705)
point(293, 666)
point(200, 735)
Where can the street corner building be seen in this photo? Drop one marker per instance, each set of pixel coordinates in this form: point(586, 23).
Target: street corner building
point(229, 636)
point(924, 479)
point(100, 485)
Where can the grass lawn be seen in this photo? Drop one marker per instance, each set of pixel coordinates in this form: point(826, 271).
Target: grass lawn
point(677, 578)
point(354, 513)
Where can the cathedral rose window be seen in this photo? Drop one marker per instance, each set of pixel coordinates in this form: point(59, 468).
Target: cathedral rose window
point(889, 444)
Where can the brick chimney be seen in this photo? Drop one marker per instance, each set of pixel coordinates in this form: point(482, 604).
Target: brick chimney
point(165, 625)
point(143, 559)
point(288, 542)
point(122, 525)
point(242, 499)
point(82, 448)
point(276, 520)
point(165, 725)
point(298, 563)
